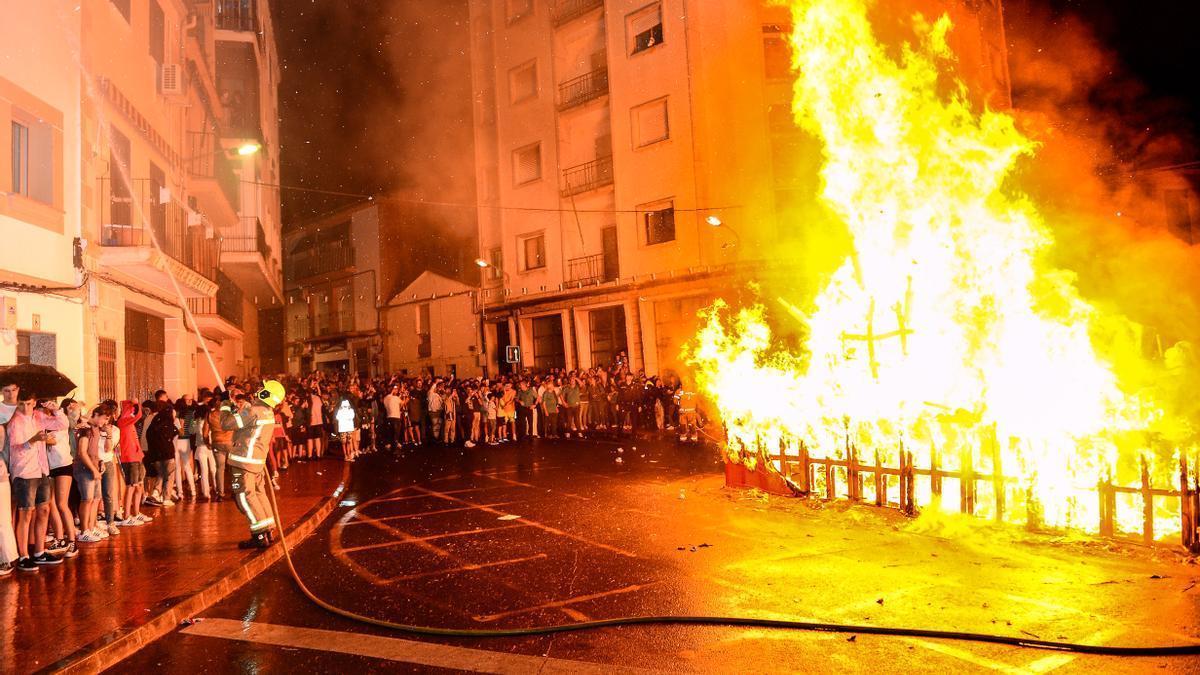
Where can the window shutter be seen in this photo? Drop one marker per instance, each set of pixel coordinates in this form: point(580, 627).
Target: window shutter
point(647, 20)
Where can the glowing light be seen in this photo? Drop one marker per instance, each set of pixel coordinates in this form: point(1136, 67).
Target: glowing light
point(248, 149)
point(482, 263)
point(945, 331)
point(713, 220)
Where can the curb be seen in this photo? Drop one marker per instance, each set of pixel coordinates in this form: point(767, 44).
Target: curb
point(115, 647)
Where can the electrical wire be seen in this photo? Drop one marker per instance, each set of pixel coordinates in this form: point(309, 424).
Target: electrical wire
point(747, 622)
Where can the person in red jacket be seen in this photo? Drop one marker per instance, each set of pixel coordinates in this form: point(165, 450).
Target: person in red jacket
point(131, 464)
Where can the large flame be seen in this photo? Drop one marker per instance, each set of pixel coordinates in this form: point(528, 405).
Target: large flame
point(946, 330)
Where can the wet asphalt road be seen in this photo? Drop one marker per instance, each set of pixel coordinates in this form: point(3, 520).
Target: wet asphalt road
point(530, 535)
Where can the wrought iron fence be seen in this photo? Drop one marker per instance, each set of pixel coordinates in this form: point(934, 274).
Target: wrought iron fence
point(586, 269)
point(227, 303)
point(585, 177)
point(237, 15)
point(143, 213)
point(319, 261)
point(580, 90)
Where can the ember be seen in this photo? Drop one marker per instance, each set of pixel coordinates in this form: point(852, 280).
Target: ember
point(945, 341)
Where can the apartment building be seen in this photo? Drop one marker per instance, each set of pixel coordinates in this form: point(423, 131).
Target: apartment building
point(39, 198)
point(341, 268)
point(635, 158)
point(162, 180)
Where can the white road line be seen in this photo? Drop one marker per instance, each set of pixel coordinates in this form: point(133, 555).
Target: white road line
point(963, 655)
point(364, 520)
point(396, 649)
point(432, 537)
point(465, 568)
point(563, 603)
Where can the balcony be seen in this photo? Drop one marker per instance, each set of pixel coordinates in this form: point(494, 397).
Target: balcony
point(586, 177)
point(246, 257)
point(221, 316)
point(569, 10)
point(319, 261)
point(214, 183)
point(582, 89)
point(134, 218)
point(238, 15)
point(590, 269)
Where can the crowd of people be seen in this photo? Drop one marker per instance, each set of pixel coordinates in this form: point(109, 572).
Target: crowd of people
point(79, 474)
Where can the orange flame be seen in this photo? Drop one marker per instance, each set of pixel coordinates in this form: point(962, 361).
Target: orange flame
point(946, 329)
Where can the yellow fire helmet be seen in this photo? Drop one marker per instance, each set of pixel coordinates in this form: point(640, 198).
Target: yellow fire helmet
point(272, 393)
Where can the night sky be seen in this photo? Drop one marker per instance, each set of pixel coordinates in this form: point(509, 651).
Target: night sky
point(376, 94)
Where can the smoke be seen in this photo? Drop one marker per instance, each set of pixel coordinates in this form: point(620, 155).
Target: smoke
point(1102, 136)
point(375, 96)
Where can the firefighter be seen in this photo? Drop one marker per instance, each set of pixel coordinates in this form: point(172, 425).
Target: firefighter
point(253, 427)
point(685, 400)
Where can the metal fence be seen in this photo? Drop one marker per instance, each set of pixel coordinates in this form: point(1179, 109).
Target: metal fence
point(585, 177)
point(566, 10)
point(142, 213)
point(580, 90)
point(207, 159)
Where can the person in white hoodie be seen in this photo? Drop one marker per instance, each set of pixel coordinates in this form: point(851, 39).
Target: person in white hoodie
point(8, 541)
point(345, 427)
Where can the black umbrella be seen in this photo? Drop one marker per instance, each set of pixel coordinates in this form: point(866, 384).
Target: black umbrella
point(43, 381)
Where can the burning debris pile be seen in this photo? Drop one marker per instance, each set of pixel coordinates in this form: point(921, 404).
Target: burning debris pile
point(947, 332)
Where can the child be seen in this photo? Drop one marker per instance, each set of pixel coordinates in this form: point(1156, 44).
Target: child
point(491, 419)
point(345, 426)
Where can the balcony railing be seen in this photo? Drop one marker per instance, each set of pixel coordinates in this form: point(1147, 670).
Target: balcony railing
point(586, 270)
point(242, 243)
point(227, 304)
point(582, 89)
point(206, 159)
point(319, 261)
point(136, 216)
point(567, 10)
point(579, 179)
point(237, 15)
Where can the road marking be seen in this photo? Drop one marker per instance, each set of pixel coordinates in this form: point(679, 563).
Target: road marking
point(558, 604)
point(465, 568)
point(1056, 661)
point(962, 655)
point(365, 520)
point(540, 526)
point(396, 649)
point(518, 483)
point(432, 537)
point(426, 496)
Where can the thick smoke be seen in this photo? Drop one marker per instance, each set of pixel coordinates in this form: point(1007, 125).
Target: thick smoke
point(376, 97)
point(1097, 180)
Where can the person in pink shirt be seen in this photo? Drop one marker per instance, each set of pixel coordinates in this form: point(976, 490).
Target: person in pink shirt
point(30, 468)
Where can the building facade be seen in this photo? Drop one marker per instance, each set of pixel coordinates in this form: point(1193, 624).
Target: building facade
point(167, 194)
point(344, 266)
point(431, 329)
point(635, 158)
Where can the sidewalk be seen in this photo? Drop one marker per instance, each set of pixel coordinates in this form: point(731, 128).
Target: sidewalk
point(114, 587)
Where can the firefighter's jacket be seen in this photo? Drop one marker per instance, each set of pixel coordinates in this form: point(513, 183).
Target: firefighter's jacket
point(253, 428)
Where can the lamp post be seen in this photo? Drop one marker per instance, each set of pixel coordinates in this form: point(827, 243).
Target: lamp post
point(715, 222)
point(483, 266)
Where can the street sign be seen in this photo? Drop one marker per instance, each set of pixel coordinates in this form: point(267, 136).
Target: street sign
point(512, 354)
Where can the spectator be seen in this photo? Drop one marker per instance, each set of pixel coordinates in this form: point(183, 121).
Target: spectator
point(28, 430)
point(9, 553)
point(221, 442)
point(58, 455)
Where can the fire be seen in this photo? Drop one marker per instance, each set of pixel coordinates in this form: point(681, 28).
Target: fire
point(946, 330)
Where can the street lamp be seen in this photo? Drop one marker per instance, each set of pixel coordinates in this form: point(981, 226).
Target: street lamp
point(714, 221)
point(248, 148)
point(483, 266)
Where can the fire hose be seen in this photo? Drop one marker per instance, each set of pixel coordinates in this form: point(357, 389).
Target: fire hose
point(745, 622)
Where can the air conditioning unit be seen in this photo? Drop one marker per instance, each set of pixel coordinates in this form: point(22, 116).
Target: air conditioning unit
point(194, 219)
point(171, 79)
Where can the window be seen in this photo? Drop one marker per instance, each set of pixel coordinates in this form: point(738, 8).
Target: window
point(107, 370)
point(650, 123)
point(158, 33)
point(527, 164)
point(548, 349)
point(644, 28)
point(20, 159)
point(522, 82)
point(122, 7)
point(659, 225)
point(777, 55)
point(518, 9)
point(424, 341)
point(534, 249)
point(33, 144)
point(495, 264)
point(607, 335)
